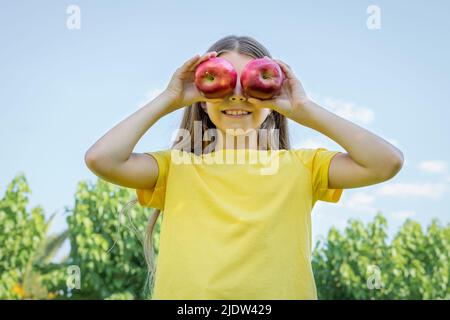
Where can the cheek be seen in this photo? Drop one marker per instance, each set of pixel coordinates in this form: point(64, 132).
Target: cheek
point(260, 115)
point(214, 115)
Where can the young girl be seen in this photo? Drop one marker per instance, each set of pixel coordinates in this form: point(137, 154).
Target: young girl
point(232, 230)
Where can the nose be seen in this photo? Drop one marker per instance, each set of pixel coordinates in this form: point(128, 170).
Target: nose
point(238, 94)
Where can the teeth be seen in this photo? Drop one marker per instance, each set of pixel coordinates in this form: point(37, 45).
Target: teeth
point(236, 112)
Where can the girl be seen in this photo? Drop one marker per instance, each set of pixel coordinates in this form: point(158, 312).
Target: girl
point(231, 230)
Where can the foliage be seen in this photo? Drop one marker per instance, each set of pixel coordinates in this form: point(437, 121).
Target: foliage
point(26, 251)
point(109, 254)
point(105, 236)
point(360, 264)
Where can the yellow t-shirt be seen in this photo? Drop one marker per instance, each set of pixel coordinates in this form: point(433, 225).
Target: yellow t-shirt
point(237, 229)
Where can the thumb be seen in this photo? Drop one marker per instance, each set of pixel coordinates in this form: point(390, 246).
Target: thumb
point(256, 102)
point(212, 100)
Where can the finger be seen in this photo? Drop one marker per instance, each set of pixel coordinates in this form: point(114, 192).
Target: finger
point(208, 55)
point(218, 100)
point(253, 100)
point(185, 67)
point(286, 69)
point(256, 102)
point(283, 63)
point(191, 61)
point(284, 73)
point(268, 104)
point(205, 57)
point(192, 64)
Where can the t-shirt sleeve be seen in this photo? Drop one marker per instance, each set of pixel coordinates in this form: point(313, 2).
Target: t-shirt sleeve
point(154, 198)
point(318, 162)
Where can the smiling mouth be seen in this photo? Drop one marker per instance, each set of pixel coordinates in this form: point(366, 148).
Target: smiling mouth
point(236, 113)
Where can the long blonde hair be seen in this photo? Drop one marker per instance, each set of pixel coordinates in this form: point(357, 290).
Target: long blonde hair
point(243, 45)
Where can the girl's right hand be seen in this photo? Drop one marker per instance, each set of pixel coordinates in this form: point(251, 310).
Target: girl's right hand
point(181, 89)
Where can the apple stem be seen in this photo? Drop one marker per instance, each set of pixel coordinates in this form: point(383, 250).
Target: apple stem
point(209, 76)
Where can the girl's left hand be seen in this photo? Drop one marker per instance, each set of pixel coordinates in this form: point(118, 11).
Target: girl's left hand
point(291, 101)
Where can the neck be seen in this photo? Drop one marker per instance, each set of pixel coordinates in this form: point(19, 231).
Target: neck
point(229, 140)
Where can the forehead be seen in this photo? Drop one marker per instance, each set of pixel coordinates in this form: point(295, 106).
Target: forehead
point(238, 60)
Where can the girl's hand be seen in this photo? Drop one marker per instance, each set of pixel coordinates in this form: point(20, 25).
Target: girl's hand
point(181, 89)
point(291, 101)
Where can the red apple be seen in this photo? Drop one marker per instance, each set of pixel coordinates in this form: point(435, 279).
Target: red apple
point(262, 78)
point(215, 78)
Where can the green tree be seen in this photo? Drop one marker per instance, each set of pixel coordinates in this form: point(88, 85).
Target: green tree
point(105, 236)
point(360, 264)
point(105, 245)
point(26, 249)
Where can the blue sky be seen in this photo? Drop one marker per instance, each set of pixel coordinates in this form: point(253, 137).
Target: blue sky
point(61, 89)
